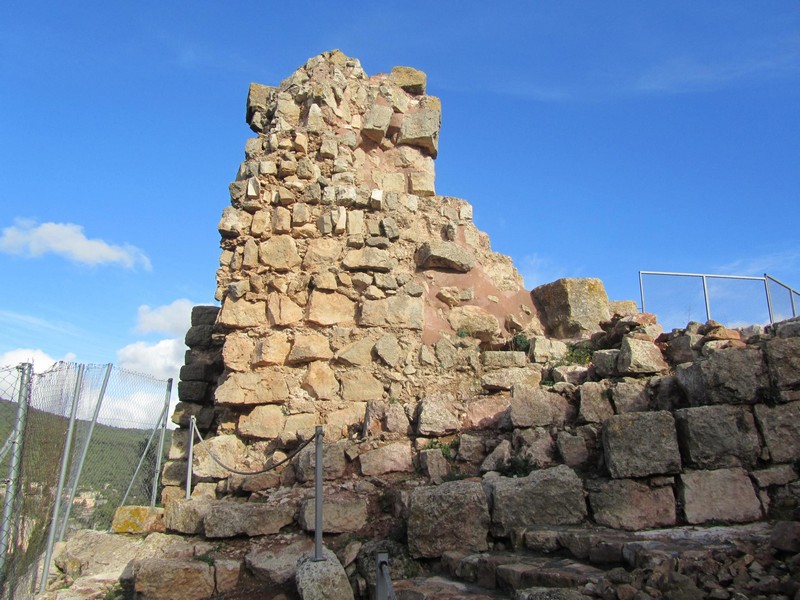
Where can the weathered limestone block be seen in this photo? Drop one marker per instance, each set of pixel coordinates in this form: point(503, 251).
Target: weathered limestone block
point(240, 313)
point(226, 574)
point(237, 350)
point(271, 350)
point(267, 387)
point(780, 426)
point(402, 311)
point(395, 419)
point(493, 359)
point(783, 360)
point(321, 254)
point(186, 516)
point(727, 376)
point(388, 349)
point(422, 183)
point(177, 578)
point(260, 105)
point(572, 374)
point(641, 444)
point(572, 449)
point(360, 386)
point(234, 222)
point(228, 449)
point(444, 255)
point(322, 580)
point(720, 495)
point(605, 362)
point(185, 410)
point(330, 309)
point(537, 407)
point(505, 379)
point(137, 519)
point(486, 412)
point(640, 357)
point(408, 79)
point(357, 354)
point(595, 407)
point(498, 458)
point(265, 422)
point(535, 445)
point(434, 510)
point(376, 122)
point(471, 449)
point(369, 259)
point(320, 381)
point(394, 457)
point(681, 349)
point(435, 417)
point(630, 395)
point(544, 350)
point(342, 513)
point(279, 253)
point(278, 566)
point(334, 463)
point(422, 129)
point(475, 322)
point(309, 347)
point(228, 519)
point(282, 310)
point(573, 307)
point(434, 464)
point(547, 497)
point(776, 475)
point(299, 427)
point(713, 437)
point(628, 504)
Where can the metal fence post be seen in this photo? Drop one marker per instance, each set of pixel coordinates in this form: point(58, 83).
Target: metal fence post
point(84, 452)
point(157, 472)
point(318, 434)
point(192, 428)
point(14, 466)
point(769, 299)
point(62, 476)
point(381, 589)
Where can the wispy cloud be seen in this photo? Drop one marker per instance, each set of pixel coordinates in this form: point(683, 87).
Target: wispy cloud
point(173, 318)
point(68, 240)
point(771, 263)
point(537, 270)
point(34, 323)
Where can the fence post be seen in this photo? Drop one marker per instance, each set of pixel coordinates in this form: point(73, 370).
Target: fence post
point(705, 296)
point(14, 466)
point(381, 588)
point(318, 464)
point(76, 392)
point(192, 428)
point(84, 452)
point(769, 299)
point(157, 473)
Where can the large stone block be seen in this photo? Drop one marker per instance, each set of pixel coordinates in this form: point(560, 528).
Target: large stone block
point(227, 449)
point(322, 579)
point(264, 422)
point(572, 307)
point(267, 387)
point(434, 510)
point(595, 406)
point(331, 309)
point(713, 437)
point(279, 253)
point(341, 513)
point(175, 578)
point(240, 313)
point(640, 357)
point(475, 322)
point(727, 376)
point(369, 259)
point(360, 386)
point(720, 495)
point(537, 407)
point(505, 379)
point(628, 504)
point(137, 519)
point(783, 360)
point(436, 416)
point(422, 129)
point(641, 444)
point(392, 458)
point(228, 519)
point(547, 497)
point(186, 516)
point(780, 426)
point(444, 255)
point(402, 310)
point(309, 347)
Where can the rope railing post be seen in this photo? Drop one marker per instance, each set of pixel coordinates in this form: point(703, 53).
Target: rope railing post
point(192, 429)
point(318, 435)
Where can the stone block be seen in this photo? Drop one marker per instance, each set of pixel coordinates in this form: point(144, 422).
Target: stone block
point(780, 427)
point(376, 122)
point(265, 422)
point(783, 361)
point(507, 378)
point(334, 463)
point(240, 313)
point(322, 579)
point(630, 395)
point(605, 362)
point(485, 412)
point(572, 449)
point(403, 311)
point(342, 513)
point(279, 253)
point(277, 566)
point(631, 505)
point(360, 386)
point(444, 255)
point(309, 347)
point(640, 357)
point(421, 129)
point(434, 510)
point(330, 309)
point(434, 464)
point(227, 519)
point(228, 449)
point(175, 578)
point(493, 359)
point(572, 307)
point(714, 437)
point(546, 497)
point(545, 350)
point(726, 376)
point(475, 322)
point(409, 79)
point(436, 416)
point(137, 519)
point(186, 516)
point(392, 458)
point(320, 381)
point(265, 387)
point(641, 444)
point(719, 495)
point(369, 259)
point(204, 315)
point(594, 407)
point(537, 407)
point(193, 391)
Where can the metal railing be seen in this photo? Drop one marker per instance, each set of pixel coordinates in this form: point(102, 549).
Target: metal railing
point(766, 279)
point(383, 582)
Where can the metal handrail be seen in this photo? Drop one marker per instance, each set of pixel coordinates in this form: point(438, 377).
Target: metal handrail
point(705, 276)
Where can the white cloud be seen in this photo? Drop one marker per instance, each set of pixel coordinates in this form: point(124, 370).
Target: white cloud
point(174, 318)
point(162, 359)
point(40, 360)
point(26, 237)
point(537, 270)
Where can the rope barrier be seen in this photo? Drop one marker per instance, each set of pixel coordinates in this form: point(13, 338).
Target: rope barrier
point(259, 472)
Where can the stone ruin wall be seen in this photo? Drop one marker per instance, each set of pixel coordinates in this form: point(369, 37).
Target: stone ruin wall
point(356, 298)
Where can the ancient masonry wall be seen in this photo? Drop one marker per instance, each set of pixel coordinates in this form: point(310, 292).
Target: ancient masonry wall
point(355, 298)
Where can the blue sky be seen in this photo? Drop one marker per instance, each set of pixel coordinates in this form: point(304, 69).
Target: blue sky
point(593, 139)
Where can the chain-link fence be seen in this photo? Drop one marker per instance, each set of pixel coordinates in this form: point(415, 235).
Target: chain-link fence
point(78, 441)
